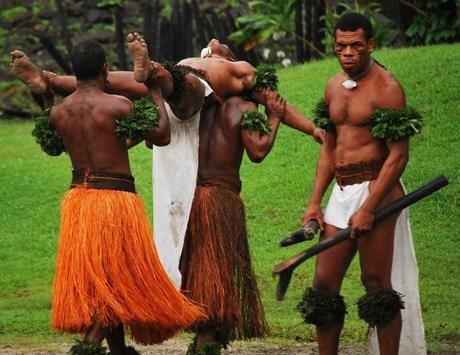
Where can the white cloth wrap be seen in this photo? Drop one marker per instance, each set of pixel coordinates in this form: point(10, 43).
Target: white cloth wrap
point(175, 169)
point(404, 275)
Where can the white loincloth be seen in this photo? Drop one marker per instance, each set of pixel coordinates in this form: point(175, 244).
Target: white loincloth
point(175, 169)
point(404, 275)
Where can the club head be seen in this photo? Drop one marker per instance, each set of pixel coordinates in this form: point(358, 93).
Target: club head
point(283, 284)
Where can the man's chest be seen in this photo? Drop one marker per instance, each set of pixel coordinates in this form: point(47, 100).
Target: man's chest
point(351, 107)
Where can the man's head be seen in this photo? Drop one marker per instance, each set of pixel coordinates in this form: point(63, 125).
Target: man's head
point(88, 60)
point(219, 50)
point(353, 42)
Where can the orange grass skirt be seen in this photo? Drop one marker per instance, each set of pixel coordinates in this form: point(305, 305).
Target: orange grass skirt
point(216, 266)
point(108, 271)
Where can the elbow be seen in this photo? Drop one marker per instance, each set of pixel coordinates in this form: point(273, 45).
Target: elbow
point(159, 139)
point(257, 156)
point(162, 141)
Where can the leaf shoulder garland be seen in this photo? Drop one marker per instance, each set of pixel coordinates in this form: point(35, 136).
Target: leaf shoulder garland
point(143, 118)
point(255, 121)
point(46, 136)
point(321, 117)
point(265, 77)
point(394, 124)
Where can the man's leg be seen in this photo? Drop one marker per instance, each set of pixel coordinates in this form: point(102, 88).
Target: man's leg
point(331, 266)
point(116, 340)
point(185, 98)
point(376, 257)
point(115, 337)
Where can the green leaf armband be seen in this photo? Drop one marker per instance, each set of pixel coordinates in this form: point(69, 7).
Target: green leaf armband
point(143, 118)
point(256, 121)
point(321, 117)
point(394, 124)
point(265, 77)
point(46, 136)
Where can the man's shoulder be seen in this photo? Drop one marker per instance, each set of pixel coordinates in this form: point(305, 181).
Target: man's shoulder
point(335, 81)
point(119, 103)
point(391, 93)
point(237, 102)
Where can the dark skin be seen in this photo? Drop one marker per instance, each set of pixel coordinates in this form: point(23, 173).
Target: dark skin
point(352, 143)
point(223, 142)
point(227, 77)
point(86, 121)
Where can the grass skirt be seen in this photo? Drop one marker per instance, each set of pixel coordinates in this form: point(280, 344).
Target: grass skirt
point(216, 267)
point(108, 271)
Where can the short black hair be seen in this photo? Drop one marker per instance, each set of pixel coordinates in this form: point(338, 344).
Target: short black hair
point(87, 59)
point(352, 21)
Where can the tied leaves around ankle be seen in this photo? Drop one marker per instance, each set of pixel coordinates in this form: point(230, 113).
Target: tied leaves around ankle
point(83, 347)
point(206, 348)
point(46, 136)
point(255, 121)
point(143, 118)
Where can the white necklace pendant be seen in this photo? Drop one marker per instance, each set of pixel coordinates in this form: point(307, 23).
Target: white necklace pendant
point(349, 84)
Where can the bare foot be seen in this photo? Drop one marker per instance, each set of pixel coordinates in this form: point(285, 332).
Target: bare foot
point(138, 51)
point(28, 72)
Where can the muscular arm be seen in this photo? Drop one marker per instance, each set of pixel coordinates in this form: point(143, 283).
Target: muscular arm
point(323, 177)
point(161, 134)
point(257, 145)
point(390, 173)
point(295, 119)
point(392, 96)
point(118, 82)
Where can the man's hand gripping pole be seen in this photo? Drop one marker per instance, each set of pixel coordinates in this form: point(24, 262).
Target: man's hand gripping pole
point(285, 268)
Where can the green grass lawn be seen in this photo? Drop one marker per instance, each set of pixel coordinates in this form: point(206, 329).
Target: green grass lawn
point(275, 193)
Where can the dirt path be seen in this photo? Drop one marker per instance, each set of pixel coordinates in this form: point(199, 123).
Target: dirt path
point(179, 347)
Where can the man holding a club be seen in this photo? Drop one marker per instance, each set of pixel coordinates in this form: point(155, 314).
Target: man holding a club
point(366, 150)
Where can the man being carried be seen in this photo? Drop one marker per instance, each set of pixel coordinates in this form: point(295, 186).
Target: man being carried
point(367, 159)
point(226, 76)
point(107, 269)
point(215, 262)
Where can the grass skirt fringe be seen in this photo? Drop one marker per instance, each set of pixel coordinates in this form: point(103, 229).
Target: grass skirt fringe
point(216, 267)
point(108, 271)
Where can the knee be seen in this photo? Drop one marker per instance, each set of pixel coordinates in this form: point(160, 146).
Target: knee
point(320, 309)
point(380, 306)
point(373, 281)
point(326, 284)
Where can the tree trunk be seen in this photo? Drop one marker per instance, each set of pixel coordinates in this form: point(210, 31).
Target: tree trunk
point(54, 52)
point(62, 18)
point(148, 19)
point(120, 38)
point(308, 27)
point(299, 46)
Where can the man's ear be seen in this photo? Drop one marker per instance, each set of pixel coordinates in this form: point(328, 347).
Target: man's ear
point(105, 70)
point(370, 45)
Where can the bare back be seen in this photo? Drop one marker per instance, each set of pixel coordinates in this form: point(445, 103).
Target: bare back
point(227, 78)
point(221, 147)
point(86, 121)
point(350, 111)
